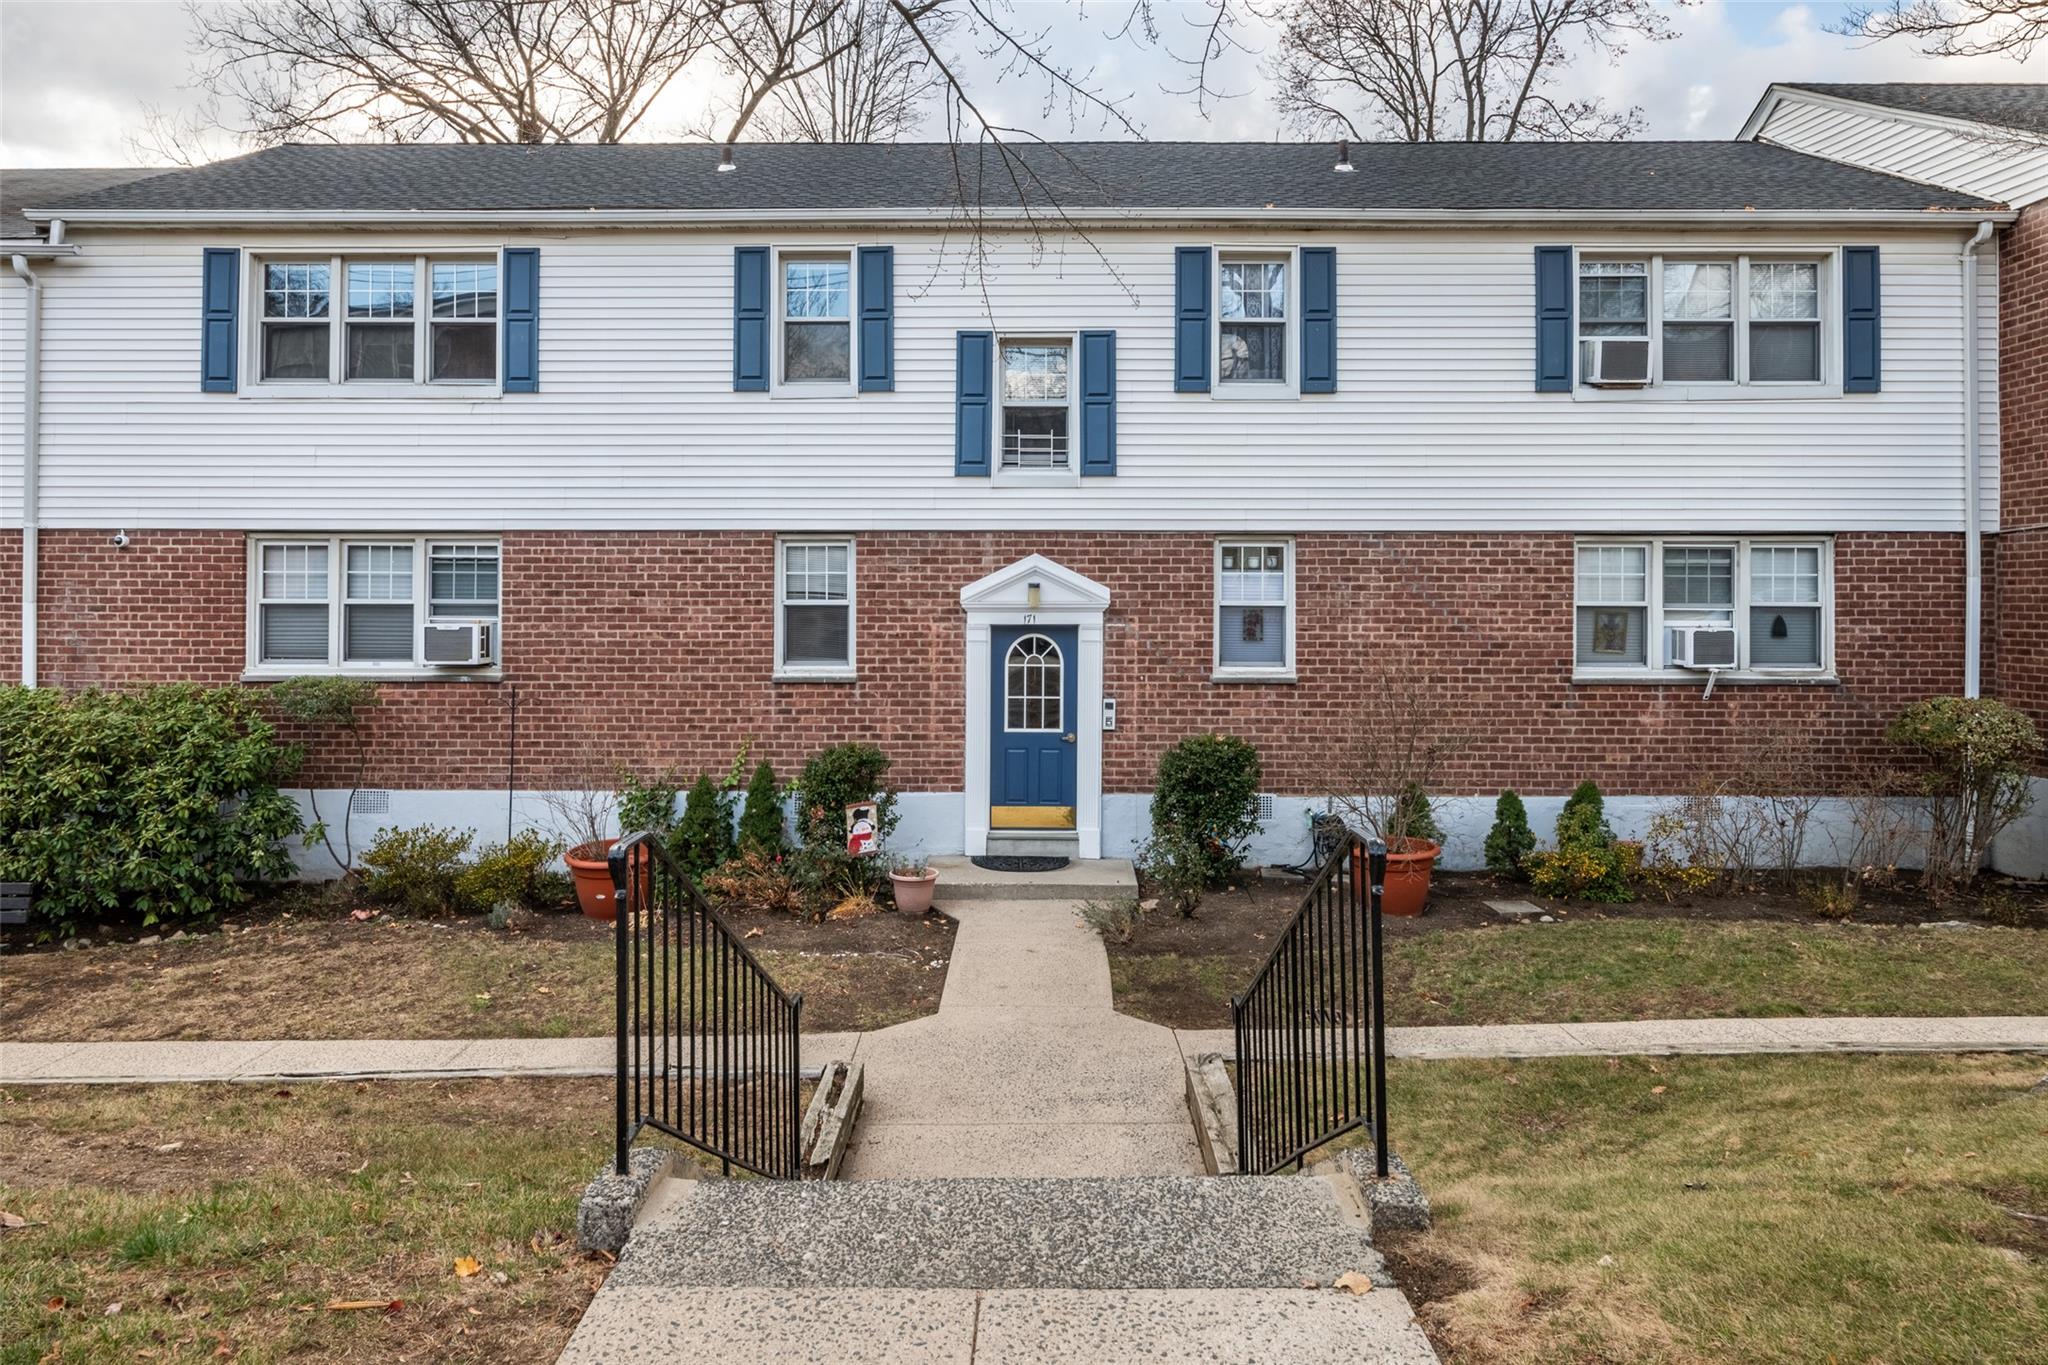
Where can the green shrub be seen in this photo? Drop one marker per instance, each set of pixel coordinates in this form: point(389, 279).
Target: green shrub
point(1208, 791)
point(1583, 821)
point(1415, 817)
point(507, 873)
point(648, 804)
point(1177, 865)
point(1510, 841)
point(833, 780)
point(417, 869)
point(1977, 751)
point(761, 817)
point(703, 839)
point(154, 805)
point(1604, 872)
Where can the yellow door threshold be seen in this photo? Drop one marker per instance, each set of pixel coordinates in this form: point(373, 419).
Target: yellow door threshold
point(1031, 817)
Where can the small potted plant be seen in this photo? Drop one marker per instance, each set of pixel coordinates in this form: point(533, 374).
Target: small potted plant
point(1403, 740)
point(913, 880)
point(582, 821)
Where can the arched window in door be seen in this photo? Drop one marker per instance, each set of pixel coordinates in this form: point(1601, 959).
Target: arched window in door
point(1032, 675)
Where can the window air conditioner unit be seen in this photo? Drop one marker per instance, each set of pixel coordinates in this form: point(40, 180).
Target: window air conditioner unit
point(456, 644)
point(1615, 362)
point(1700, 644)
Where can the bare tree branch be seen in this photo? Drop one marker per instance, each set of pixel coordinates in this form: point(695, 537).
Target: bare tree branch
point(873, 85)
point(1452, 70)
point(1952, 28)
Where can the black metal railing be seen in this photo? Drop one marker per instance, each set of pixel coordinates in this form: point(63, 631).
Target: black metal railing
point(707, 1042)
point(1311, 1028)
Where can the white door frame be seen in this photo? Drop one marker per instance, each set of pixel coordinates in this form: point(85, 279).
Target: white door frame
point(1062, 598)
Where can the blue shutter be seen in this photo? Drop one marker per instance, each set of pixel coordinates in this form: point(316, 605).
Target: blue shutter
point(522, 319)
point(1191, 319)
point(1318, 319)
point(1098, 403)
point(750, 319)
point(221, 282)
point(1862, 321)
point(1553, 319)
point(877, 319)
point(973, 402)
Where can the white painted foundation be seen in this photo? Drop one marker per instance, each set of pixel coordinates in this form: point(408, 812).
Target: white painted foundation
point(2022, 850)
point(933, 823)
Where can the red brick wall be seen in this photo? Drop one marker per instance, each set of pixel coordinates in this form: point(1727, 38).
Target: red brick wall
point(10, 607)
point(2023, 464)
point(656, 648)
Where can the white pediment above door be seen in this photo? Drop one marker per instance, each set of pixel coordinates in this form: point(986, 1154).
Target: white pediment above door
point(1060, 589)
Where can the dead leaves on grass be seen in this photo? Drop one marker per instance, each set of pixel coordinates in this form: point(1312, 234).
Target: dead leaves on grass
point(466, 1266)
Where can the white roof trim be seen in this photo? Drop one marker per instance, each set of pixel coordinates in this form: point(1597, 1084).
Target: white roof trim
point(1779, 93)
point(1061, 588)
point(713, 218)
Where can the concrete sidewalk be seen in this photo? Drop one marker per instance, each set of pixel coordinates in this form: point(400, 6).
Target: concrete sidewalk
point(455, 1059)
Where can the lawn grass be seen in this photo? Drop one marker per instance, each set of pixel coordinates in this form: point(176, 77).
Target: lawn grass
point(1768, 1209)
point(277, 1202)
point(395, 978)
point(1642, 969)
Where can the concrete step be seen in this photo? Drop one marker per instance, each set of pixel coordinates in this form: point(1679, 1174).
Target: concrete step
point(1080, 880)
point(1163, 1232)
point(1034, 843)
point(1000, 1327)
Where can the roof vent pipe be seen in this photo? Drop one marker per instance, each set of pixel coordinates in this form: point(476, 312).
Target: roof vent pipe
point(1344, 166)
point(725, 159)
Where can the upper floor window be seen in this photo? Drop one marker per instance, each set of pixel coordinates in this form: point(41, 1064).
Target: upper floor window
point(374, 603)
point(1254, 609)
point(1036, 391)
point(1681, 320)
point(814, 608)
point(1637, 600)
point(817, 318)
point(1252, 319)
point(375, 332)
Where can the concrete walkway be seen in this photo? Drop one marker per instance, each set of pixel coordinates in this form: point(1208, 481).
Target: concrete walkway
point(1026, 1070)
point(456, 1059)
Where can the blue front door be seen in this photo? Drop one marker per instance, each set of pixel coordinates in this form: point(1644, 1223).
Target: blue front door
point(1032, 733)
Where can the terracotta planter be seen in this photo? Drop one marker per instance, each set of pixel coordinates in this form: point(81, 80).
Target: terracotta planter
point(914, 894)
point(1406, 889)
point(593, 878)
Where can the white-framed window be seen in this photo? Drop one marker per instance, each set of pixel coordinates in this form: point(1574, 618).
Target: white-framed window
point(814, 608)
point(364, 603)
point(1776, 594)
point(1697, 321)
point(1035, 388)
point(814, 319)
point(355, 322)
point(1033, 686)
point(1254, 318)
point(1254, 608)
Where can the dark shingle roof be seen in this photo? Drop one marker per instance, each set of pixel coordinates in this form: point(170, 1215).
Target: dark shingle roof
point(2022, 106)
point(33, 189)
point(449, 178)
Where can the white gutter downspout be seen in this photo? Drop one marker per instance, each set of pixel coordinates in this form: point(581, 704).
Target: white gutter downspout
point(31, 453)
point(1973, 460)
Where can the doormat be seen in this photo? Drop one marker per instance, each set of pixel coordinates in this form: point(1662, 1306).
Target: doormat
point(1001, 864)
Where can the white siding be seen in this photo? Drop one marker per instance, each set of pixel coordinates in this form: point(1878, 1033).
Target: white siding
point(2009, 167)
point(1435, 426)
point(13, 311)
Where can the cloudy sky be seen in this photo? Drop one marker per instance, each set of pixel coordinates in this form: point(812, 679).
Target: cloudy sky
point(76, 77)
